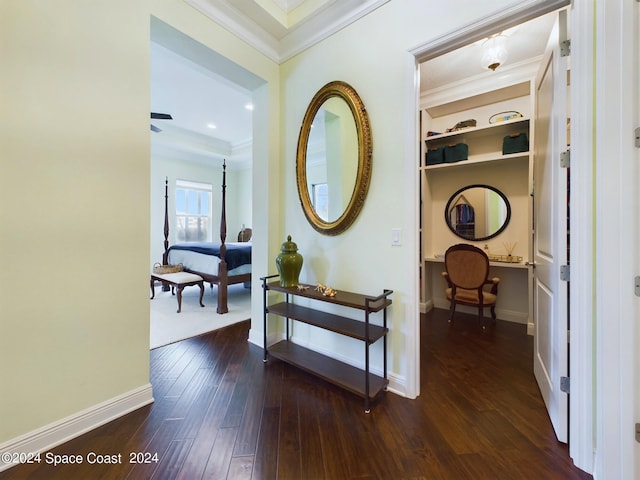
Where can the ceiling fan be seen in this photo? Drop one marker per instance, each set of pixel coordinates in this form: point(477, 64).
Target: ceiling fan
point(159, 116)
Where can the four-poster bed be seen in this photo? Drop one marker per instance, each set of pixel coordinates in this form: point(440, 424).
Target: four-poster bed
point(222, 264)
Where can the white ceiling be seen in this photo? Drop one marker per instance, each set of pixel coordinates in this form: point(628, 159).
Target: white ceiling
point(197, 97)
point(526, 42)
point(198, 91)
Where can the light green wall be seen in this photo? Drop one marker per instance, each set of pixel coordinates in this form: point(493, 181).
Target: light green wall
point(74, 203)
point(75, 198)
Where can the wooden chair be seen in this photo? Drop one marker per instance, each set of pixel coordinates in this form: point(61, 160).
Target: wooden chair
point(244, 235)
point(467, 272)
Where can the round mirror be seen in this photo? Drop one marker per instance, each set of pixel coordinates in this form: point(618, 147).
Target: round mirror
point(333, 164)
point(477, 212)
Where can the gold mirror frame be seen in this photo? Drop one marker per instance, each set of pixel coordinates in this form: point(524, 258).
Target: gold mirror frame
point(363, 176)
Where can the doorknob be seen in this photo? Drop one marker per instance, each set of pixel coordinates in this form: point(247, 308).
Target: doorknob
point(530, 264)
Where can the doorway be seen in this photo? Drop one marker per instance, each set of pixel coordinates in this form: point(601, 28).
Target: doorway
point(436, 52)
point(211, 101)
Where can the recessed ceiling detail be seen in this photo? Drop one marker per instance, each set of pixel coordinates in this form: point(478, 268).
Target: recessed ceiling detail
point(281, 29)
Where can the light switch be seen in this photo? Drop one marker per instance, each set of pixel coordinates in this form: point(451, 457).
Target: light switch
point(396, 236)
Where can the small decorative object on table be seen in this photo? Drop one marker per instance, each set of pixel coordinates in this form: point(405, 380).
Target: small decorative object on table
point(289, 263)
point(325, 290)
point(509, 247)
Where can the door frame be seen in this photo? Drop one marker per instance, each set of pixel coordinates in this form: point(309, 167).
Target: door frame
point(616, 255)
point(581, 369)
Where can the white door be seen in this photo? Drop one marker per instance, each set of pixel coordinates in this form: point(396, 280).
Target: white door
point(550, 230)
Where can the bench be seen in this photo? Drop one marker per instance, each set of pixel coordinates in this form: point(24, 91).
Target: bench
point(179, 280)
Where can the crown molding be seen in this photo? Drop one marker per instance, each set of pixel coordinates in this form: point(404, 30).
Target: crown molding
point(282, 43)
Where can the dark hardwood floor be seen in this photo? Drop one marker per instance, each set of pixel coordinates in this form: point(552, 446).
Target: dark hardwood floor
point(220, 413)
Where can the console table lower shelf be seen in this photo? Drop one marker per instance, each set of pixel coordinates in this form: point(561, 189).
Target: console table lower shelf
point(329, 369)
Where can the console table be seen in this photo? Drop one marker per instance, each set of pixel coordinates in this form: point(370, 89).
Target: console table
point(359, 381)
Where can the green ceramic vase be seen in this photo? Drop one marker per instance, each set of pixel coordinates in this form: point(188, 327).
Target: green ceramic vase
point(289, 263)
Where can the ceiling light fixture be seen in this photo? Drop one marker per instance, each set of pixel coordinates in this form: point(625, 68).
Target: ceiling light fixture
point(494, 52)
point(249, 106)
point(211, 126)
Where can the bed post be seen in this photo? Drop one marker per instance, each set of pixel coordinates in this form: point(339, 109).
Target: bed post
point(165, 255)
point(222, 267)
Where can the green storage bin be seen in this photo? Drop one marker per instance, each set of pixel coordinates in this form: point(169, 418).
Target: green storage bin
point(455, 153)
point(435, 156)
point(515, 143)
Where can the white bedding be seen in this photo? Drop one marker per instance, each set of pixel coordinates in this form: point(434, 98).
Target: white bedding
point(200, 262)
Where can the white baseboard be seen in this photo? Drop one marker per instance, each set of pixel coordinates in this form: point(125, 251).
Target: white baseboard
point(426, 306)
point(531, 328)
point(502, 314)
point(397, 385)
point(256, 337)
point(54, 434)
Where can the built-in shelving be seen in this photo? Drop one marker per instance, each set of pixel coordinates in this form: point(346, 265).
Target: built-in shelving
point(484, 165)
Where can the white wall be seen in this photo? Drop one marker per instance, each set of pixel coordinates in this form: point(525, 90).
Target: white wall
point(377, 64)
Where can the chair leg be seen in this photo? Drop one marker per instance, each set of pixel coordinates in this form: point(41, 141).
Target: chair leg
point(481, 319)
point(180, 287)
point(452, 311)
point(493, 314)
point(201, 285)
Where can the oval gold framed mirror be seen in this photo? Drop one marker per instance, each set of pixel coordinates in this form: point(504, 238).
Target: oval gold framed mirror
point(333, 162)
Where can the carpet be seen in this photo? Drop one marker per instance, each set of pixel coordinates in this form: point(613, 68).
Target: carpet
point(168, 326)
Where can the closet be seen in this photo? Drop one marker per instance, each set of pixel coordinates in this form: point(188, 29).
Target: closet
point(476, 175)
point(465, 120)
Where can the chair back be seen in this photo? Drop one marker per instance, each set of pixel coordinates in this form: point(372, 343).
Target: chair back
point(467, 266)
point(244, 235)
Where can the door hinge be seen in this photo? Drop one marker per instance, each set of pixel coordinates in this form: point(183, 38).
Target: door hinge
point(565, 48)
point(637, 132)
point(565, 159)
point(638, 424)
point(565, 273)
point(636, 288)
point(565, 384)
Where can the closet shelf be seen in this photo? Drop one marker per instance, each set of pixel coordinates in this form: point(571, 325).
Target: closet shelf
point(497, 129)
point(491, 157)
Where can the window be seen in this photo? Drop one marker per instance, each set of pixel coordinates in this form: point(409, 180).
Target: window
point(193, 211)
point(320, 195)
